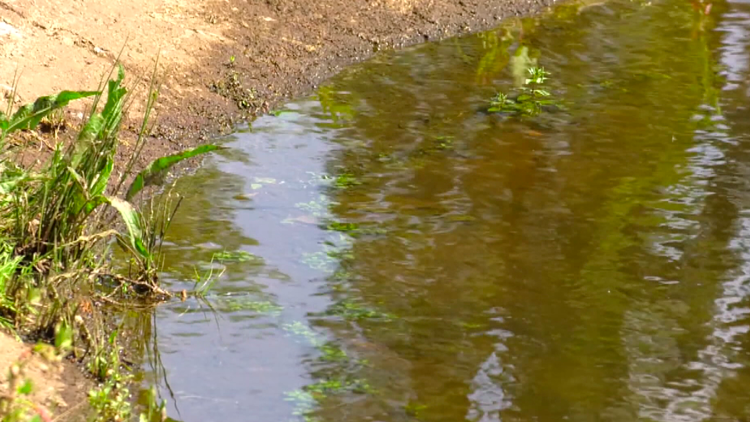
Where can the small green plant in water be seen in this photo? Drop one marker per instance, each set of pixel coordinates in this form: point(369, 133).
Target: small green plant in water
point(354, 311)
point(246, 303)
point(342, 227)
point(236, 256)
point(532, 99)
point(332, 353)
point(204, 282)
point(346, 180)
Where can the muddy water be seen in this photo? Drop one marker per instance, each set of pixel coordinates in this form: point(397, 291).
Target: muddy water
point(392, 252)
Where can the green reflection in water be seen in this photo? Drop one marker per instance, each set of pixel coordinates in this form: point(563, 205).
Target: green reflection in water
point(518, 255)
point(587, 264)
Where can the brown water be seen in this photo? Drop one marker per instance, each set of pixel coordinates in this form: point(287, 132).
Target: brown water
point(409, 257)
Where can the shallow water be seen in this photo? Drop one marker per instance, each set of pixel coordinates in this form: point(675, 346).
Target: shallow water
point(391, 252)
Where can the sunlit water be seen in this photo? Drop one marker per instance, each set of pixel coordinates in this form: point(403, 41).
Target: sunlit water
point(391, 252)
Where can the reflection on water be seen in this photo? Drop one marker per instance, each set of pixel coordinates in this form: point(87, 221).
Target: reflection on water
point(391, 252)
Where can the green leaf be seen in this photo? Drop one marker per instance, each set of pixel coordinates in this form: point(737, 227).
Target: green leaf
point(159, 166)
point(63, 337)
point(26, 388)
point(112, 338)
point(91, 129)
point(78, 178)
point(132, 220)
point(100, 184)
point(112, 111)
point(30, 115)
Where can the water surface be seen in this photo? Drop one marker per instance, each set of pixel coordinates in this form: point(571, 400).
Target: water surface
point(392, 252)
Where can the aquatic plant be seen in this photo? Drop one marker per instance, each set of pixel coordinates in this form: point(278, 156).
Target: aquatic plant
point(531, 100)
point(204, 282)
point(341, 226)
point(332, 353)
point(346, 180)
point(236, 256)
point(354, 311)
point(299, 329)
point(248, 303)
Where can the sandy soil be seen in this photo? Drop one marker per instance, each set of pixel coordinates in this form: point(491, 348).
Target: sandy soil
point(219, 60)
point(58, 388)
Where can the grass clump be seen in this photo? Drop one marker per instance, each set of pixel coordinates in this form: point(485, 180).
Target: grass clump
point(58, 221)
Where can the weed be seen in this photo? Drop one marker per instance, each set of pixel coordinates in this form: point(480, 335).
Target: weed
point(532, 99)
point(246, 303)
point(111, 400)
point(30, 115)
point(55, 221)
point(346, 180)
point(354, 311)
point(237, 256)
point(204, 283)
point(342, 227)
point(332, 353)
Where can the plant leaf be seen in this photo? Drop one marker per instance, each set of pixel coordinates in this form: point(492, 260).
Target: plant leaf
point(132, 220)
point(102, 179)
point(63, 337)
point(26, 388)
point(112, 111)
point(30, 115)
point(157, 167)
point(78, 178)
point(99, 186)
point(91, 129)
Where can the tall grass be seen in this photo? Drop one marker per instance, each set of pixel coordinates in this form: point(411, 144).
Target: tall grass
point(57, 222)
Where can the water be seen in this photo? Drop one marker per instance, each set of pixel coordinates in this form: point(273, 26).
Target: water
point(391, 252)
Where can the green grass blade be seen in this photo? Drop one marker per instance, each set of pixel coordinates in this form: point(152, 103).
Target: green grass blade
point(159, 166)
point(4, 122)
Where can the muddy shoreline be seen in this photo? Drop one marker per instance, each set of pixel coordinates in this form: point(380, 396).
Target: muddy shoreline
point(238, 88)
point(239, 59)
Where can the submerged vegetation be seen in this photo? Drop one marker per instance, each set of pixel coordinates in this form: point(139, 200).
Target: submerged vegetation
point(57, 222)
